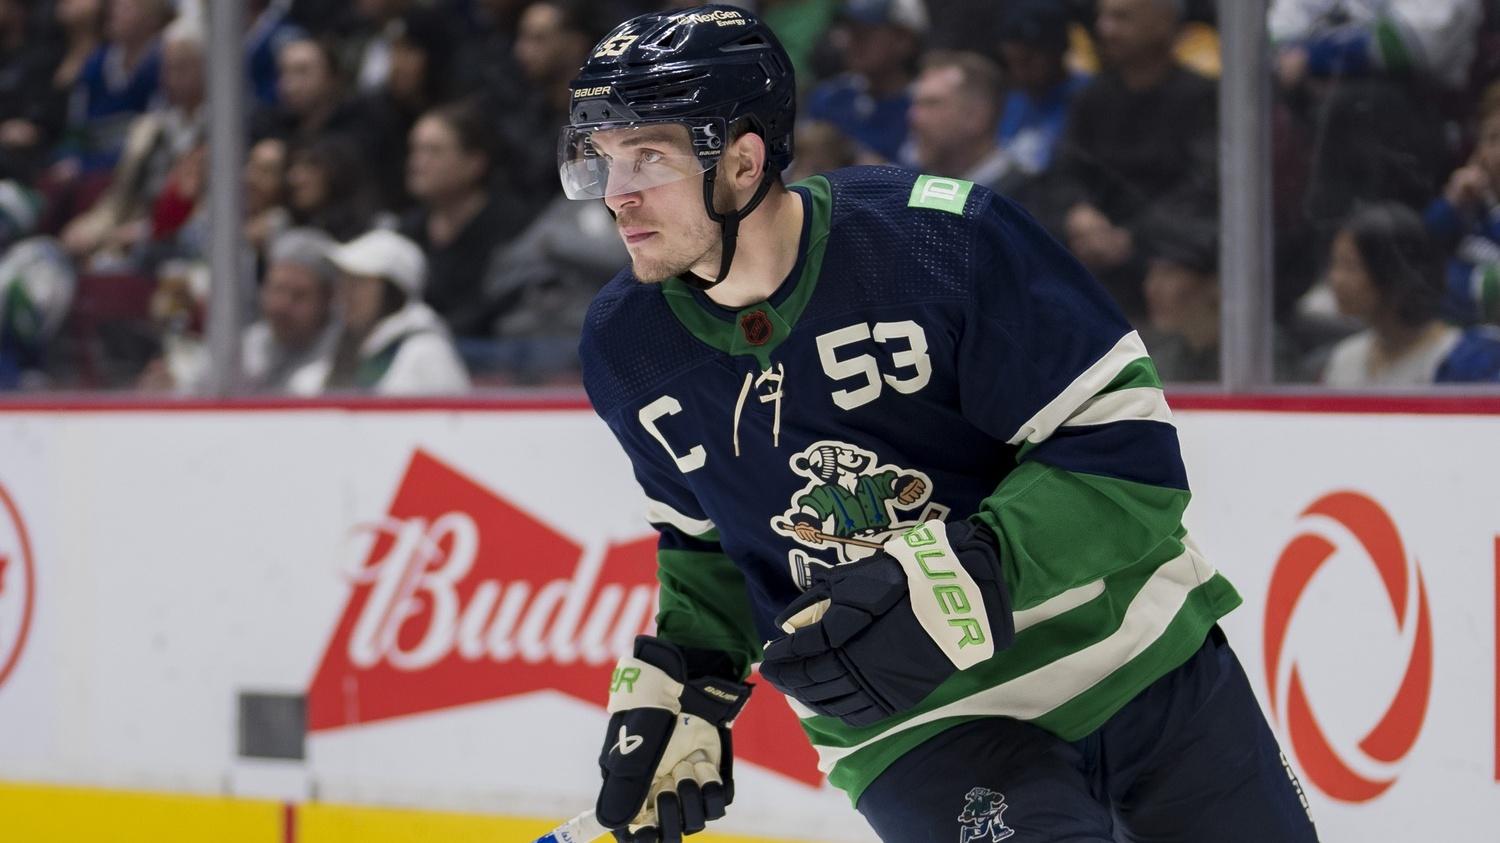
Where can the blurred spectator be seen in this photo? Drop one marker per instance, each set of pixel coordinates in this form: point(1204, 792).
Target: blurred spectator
point(459, 222)
point(37, 285)
point(270, 29)
point(1182, 300)
point(291, 347)
point(1385, 272)
point(328, 187)
point(485, 64)
point(553, 41)
point(117, 82)
point(802, 27)
point(154, 166)
point(311, 101)
point(1141, 145)
point(389, 342)
point(954, 111)
point(419, 81)
point(550, 274)
point(27, 64)
point(1465, 223)
point(379, 30)
point(1033, 42)
point(265, 198)
point(869, 101)
point(81, 27)
point(820, 147)
point(1434, 39)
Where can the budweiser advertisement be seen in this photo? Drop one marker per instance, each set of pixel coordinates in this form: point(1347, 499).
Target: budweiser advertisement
point(448, 590)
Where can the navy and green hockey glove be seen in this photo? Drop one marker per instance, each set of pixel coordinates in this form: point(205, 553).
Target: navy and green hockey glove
point(873, 638)
point(667, 761)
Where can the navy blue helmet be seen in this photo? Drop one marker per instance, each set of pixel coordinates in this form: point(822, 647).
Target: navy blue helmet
point(712, 69)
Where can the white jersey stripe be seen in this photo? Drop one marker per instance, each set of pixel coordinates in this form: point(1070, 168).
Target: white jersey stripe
point(1085, 386)
point(663, 513)
point(1044, 689)
point(1143, 403)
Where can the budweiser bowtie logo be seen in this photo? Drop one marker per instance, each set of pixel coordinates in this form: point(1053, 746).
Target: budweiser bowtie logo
point(464, 597)
point(17, 585)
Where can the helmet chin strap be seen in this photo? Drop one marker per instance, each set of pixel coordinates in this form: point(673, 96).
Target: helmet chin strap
point(730, 223)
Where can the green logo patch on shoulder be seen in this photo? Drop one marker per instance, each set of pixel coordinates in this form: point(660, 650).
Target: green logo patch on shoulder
point(940, 194)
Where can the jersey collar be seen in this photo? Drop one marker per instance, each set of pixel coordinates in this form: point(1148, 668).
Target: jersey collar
point(758, 329)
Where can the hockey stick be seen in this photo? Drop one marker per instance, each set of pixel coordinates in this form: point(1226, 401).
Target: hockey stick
point(787, 528)
point(581, 829)
point(929, 512)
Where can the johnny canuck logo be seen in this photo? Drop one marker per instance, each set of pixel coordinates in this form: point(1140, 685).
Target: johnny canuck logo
point(851, 503)
point(983, 817)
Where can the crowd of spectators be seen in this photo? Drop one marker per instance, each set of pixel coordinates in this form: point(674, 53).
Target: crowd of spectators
point(404, 230)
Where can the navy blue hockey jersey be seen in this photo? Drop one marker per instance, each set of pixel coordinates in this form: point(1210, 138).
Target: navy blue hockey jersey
point(933, 353)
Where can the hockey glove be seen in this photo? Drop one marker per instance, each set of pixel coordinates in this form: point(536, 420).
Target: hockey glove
point(667, 760)
point(873, 638)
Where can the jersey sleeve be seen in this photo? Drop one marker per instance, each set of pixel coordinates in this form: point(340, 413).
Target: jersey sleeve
point(704, 603)
point(1048, 364)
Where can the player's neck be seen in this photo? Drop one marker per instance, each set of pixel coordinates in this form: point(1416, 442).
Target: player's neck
point(766, 251)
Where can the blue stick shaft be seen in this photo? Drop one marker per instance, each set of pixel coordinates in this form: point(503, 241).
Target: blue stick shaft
point(581, 829)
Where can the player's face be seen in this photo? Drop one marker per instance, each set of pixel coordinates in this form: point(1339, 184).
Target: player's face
point(1349, 279)
point(665, 228)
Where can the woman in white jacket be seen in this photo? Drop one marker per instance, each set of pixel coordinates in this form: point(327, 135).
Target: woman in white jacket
point(391, 342)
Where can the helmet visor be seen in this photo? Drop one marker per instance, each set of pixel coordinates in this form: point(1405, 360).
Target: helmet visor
point(598, 161)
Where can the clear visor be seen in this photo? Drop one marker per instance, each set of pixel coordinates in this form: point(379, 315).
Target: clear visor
point(605, 161)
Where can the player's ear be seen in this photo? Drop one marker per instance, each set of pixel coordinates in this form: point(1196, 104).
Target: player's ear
point(747, 159)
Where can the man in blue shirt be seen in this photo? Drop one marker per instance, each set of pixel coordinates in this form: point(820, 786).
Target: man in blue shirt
point(870, 100)
point(1033, 46)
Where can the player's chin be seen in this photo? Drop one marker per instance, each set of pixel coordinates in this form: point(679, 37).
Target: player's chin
point(651, 271)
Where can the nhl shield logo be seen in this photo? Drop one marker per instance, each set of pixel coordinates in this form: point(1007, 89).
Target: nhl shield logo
point(756, 326)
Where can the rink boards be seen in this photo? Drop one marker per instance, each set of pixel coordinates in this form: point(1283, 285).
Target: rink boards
point(439, 590)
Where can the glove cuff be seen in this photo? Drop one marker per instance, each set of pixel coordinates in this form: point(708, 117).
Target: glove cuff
point(716, 700)
point(946, 597)
point(657, 677)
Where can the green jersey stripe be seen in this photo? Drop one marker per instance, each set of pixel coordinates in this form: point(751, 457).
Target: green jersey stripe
point(1044, 690)
point(1036, 516)
point(1076, 718)
point(704, 604)
point(1033, 649)
point(1049, 609)
point(1140, 373)
point(1094, 380)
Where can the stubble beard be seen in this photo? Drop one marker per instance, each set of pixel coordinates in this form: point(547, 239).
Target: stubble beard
point(699, 243)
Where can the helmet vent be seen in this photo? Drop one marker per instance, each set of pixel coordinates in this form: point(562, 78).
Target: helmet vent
point(752, 41)
point(670, 39)
point(677, 91)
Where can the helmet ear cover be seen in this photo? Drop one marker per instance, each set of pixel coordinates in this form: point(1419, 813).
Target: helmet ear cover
point(730, 222)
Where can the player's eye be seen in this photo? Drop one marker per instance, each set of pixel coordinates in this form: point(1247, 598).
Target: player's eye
point(650, 156)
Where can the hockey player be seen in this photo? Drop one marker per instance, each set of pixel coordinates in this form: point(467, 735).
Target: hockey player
point(889, 426)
